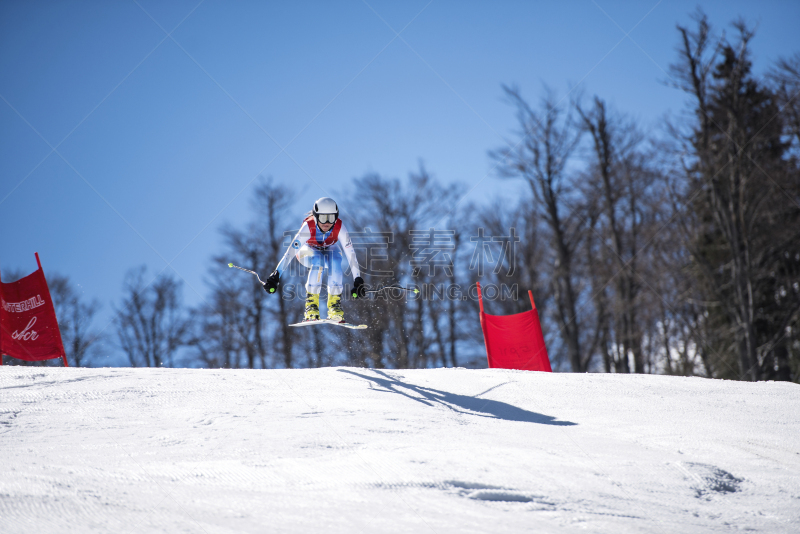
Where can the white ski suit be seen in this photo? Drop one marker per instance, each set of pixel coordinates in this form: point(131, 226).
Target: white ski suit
point(319, 252)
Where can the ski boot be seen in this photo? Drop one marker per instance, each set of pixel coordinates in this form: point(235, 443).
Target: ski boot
point(335, 311)
point(312, 307)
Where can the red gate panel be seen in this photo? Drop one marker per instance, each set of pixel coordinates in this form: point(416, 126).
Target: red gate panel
point(514, 341)
point(28, 326)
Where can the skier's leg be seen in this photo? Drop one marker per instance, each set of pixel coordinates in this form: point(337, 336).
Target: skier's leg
point(313, 285)
point(334, 266)
point(317, 264)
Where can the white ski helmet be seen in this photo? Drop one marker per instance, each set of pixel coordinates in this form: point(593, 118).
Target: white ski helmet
point(326, 208)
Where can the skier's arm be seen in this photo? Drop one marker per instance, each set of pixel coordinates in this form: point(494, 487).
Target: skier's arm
point(347, 247)
point(302, 236)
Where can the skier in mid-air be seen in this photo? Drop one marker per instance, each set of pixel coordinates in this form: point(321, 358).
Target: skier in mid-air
point(314, 246)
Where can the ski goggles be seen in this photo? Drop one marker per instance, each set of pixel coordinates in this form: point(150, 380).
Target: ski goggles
point(326, 218)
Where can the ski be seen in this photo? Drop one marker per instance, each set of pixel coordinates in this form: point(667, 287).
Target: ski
point(348, 325)
point(327, 321)
point(309, 323)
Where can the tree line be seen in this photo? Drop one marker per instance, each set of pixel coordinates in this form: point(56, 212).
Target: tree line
point(674, 250)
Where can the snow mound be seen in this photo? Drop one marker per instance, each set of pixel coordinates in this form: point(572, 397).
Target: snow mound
point(359, 450)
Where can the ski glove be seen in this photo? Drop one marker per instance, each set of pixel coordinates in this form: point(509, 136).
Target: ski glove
point(359, 291)
point(272, 282)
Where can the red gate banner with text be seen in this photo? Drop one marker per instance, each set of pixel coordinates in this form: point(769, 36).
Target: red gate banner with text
point(28, 325)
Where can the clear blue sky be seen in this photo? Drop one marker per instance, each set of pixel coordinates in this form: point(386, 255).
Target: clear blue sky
point(158, 139)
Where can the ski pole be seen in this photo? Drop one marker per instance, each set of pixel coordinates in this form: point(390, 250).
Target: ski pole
point(247, 271)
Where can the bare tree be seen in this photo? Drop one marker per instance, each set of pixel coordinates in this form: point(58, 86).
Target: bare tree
point(151, 323)
point(242, 326)
point(214, 334)
point(74, 320)
point(548, 138)
point(399, 334)
point(271, 203)
point(620, 179)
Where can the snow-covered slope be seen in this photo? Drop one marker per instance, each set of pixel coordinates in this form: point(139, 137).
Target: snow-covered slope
point(357, 450)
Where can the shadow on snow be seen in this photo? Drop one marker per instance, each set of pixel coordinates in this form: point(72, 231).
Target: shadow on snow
point(465, 404)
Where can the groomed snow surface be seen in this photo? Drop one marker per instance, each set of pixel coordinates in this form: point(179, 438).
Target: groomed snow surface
point(358, 450)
